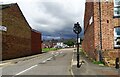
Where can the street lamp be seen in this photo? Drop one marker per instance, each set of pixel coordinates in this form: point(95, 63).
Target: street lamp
point(77, 29)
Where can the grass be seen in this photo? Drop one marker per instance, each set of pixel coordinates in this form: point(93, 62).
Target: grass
point(98, 62)
point(49, 49)
point(93, 61)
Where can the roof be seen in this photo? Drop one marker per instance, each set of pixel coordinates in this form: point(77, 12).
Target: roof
point(36, 31)
point(3, 6)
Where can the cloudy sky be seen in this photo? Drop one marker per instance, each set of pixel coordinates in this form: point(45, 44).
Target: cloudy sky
point(54, 18)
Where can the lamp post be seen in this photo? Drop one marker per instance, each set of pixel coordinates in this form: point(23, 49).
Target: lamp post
point(77, 29)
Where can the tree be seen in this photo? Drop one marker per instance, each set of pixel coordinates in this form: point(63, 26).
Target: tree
point(69, 42)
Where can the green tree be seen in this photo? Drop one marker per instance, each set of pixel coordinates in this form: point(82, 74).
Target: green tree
point(69, 42)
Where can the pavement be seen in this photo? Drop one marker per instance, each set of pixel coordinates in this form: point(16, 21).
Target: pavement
point(88, 69)
point(17, 60)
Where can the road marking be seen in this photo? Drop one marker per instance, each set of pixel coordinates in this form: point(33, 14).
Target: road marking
point(49, 59)
point(71, 71)
point(26, 70)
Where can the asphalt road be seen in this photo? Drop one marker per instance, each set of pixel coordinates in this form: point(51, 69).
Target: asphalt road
point(52, 63)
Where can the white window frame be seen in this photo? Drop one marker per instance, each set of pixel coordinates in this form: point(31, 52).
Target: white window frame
point(115, 38)
point(116, 6)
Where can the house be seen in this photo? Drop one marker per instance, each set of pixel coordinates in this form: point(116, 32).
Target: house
point(16, 33)
point(102, 31)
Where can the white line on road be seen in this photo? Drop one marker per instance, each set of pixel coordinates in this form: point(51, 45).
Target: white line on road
point(71, 71)
point(33, 66)
point(26, 70)
point(49, 59)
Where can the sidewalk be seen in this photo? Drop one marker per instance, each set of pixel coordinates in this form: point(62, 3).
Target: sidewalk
point(14, 61)
point(93, 70)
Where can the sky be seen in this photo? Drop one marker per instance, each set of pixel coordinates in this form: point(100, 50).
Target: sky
point(53, 18)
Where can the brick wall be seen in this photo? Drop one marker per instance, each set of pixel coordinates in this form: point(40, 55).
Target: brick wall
point(17, 39)
point(108, 22)
point(88, 42)
point(107, 25)
point(91, 40)
point(36, 42)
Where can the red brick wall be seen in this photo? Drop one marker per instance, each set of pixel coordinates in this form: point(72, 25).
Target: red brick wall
point(88, 42)
point(36, 42)
point(92, 32)
point(107, 25)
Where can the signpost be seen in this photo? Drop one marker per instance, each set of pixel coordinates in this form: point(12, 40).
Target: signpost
point(77, 29)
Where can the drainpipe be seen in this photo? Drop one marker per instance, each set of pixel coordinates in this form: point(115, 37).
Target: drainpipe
point(100, 46)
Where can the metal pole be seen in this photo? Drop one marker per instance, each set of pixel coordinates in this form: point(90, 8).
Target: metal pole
point(100, 55)
point(78, 52)
point(100, 25)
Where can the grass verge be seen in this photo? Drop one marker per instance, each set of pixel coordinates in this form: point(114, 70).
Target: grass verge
point(98, 62)
point(49, 49)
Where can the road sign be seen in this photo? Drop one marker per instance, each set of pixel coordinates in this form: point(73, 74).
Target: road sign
point(77, 29)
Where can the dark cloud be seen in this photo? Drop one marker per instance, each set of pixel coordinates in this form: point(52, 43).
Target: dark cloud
point(53, 17)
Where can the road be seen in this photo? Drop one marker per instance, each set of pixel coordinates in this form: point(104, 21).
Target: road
point(61, 63)
point(52, 63)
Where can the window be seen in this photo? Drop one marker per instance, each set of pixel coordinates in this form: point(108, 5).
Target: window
point(116, 7)
point(117, 37)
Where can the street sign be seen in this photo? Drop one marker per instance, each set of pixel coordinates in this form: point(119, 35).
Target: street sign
point(77, 29)
point(78, 40)
point(3, 28)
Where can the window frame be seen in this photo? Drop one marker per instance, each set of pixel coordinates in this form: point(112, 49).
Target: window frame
point(116, 6)
point(115, 38)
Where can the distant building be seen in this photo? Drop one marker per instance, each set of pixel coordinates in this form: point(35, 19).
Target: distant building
point(49, 43)
point(17, 35)
point(102, 30)
point(60, 43)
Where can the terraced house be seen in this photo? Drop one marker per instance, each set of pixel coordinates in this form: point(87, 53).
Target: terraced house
point(18, 38)
point(102, 30)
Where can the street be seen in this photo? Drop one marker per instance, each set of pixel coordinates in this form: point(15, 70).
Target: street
point(52, 63)
point(56, 63)
point(69, 38)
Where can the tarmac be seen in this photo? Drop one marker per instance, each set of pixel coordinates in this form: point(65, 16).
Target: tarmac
point(14, 61)
point(88, 69)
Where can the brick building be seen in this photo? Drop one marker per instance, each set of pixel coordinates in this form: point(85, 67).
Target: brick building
point(16, 33)
point(102, 30)
point(36, 46)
